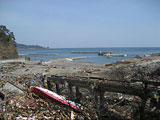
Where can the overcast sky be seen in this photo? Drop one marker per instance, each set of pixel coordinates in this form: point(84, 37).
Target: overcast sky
point(83, 23)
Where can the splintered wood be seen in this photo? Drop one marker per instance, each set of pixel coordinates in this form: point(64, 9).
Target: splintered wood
point(34, 107)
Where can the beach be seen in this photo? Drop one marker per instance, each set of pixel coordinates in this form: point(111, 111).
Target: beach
point(106, 84)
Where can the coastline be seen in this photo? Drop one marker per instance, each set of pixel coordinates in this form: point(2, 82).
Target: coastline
point(92, 57)
point(24, 73)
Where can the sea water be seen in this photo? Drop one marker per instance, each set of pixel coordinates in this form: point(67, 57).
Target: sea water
point(47, 54)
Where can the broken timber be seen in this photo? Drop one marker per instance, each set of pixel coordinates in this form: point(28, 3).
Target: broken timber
point(109, 86)
point(98, 87)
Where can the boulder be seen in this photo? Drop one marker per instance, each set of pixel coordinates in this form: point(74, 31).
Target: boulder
point(8, 51)
point(140, 56)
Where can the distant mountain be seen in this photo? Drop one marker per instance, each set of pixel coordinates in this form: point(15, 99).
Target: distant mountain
point(23, 46)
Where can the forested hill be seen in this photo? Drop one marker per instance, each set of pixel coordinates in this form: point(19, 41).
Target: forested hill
point(23, 46)
point(7, 44)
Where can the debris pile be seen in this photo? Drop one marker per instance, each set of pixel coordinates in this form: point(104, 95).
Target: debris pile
point(17, 101)
point(33, 107)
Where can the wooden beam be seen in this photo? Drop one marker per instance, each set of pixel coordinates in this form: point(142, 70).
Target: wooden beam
point(77, 95)
point(110, 86)
point(48, 84)
point(154, 83)
point(57, 88)
point(70, 91)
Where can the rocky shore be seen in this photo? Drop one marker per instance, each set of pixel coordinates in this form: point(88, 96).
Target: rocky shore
point(17, 101)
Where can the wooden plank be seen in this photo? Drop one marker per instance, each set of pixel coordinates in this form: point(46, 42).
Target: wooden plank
point(154, 83)
point(77, 94)
point(110, 86)
point(70, 91)
point(48, 85)
point(57, 88)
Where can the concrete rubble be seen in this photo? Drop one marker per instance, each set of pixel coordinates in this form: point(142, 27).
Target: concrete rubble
point(12, 88)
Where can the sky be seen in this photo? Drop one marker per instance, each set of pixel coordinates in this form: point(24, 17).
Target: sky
point(83, 23)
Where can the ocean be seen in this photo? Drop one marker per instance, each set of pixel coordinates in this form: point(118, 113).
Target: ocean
point(47, 54)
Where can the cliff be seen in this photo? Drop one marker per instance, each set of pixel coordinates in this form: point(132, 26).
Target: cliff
point(7, 44)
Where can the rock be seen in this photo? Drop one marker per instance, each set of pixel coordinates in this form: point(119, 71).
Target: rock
point(139, 56)
point(155, 54)
point(8, 51)
point(29, 102)
point(7, 44)
point(27, 58)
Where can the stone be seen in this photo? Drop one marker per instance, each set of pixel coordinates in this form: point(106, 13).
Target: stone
point(7, 44)
point(29, 102)
point(139, 56)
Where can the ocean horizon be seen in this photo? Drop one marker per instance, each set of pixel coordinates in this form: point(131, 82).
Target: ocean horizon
point(47, 54)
